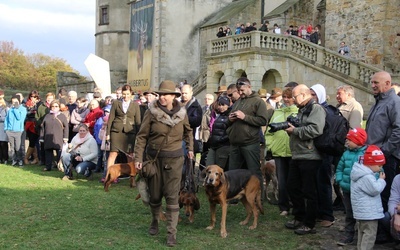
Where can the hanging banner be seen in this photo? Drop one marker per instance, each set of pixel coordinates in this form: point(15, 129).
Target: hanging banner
point(140, 45)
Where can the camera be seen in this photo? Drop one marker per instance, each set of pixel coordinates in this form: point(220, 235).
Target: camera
point(294, 120)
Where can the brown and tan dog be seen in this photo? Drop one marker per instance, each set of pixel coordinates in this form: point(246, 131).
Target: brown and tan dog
point(116, 170)
point(190, 203)
point(268, 171)
point(239, 184)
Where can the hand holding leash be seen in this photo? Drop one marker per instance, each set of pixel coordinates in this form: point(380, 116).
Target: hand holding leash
point(138, 165)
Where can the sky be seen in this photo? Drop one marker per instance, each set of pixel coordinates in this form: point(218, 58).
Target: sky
point(56, 28)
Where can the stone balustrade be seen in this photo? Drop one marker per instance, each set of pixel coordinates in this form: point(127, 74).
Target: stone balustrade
point(296, 48)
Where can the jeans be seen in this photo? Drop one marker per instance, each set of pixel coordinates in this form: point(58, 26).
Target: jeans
point(14, 138)
point(80, 166)
point(302, 189)
point(99, 158)
point(282, 172)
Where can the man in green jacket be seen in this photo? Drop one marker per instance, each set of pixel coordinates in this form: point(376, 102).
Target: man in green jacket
point(248, 115)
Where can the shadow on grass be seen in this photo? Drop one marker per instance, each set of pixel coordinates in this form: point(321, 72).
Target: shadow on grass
point(41, 211)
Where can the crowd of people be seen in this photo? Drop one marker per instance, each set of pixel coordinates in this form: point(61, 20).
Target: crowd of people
point(308, 32)
point(235, 132)
point(238, 127)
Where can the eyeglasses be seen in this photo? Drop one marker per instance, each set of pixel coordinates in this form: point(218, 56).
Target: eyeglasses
point(295, 96)
point(34, 96)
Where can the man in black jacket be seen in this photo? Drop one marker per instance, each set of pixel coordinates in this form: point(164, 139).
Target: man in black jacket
point(194, 111)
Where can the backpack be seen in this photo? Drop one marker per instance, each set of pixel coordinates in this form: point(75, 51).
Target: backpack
point(333, 138)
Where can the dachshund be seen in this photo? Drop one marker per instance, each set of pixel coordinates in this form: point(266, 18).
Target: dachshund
point(223, 186)
point(116, 170)
point(268, 171)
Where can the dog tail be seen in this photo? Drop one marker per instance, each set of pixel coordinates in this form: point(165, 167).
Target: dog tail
point(259, 203)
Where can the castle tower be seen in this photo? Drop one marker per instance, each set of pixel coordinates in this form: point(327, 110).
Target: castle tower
point(112, 37)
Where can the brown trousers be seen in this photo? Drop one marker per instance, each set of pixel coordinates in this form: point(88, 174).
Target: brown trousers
point(167, 180)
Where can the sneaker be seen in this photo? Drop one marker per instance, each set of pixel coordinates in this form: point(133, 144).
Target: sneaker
point(284, 213)
point(305, 230)
point(20, 163)
point(116, 181)
point(293, 224)
point(14, 162)
point(102, 180)
point(326, 223)
point(345, 241)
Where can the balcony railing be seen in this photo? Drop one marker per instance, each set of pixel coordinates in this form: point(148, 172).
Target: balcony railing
point(296, 48)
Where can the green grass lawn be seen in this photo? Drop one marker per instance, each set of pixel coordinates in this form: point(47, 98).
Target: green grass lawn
point(40, 211)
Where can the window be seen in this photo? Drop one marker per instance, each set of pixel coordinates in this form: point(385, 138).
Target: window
point(104, 15)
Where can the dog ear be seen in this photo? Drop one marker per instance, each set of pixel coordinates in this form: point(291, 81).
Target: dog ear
point(196, 203)
point(222, 178)
point(180, 202)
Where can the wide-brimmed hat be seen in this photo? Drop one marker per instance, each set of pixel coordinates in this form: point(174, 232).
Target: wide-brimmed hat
point(221, 89)
point(276, 92)
point(168, 87)
point(262, 93)
point(150, 91)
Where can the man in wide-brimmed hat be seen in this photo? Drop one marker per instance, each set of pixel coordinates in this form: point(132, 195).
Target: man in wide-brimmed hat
point(221, 90)
point(275, 98)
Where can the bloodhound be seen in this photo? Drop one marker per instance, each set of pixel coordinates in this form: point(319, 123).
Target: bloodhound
point(116, 170)
point(190, 202)
point(240, 184)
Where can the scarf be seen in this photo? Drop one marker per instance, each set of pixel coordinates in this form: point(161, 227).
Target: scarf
point(78, 140)
point(175, 109)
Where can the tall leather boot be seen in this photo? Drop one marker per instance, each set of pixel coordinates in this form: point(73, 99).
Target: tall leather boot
point(172, 221)
point(28, 154)
point(35, 156)
point(155, 212)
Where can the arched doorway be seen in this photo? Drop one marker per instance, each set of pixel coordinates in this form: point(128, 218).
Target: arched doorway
point(271, 79)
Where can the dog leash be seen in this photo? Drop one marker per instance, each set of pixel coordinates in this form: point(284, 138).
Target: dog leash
point(127, 155)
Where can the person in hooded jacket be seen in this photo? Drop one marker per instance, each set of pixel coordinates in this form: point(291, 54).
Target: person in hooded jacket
point(324, 180)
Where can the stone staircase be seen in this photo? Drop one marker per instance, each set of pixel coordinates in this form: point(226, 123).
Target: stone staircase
point(329, 62)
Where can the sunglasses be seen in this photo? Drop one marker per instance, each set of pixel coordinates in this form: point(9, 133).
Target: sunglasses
point(231, 94)
point(241, 83)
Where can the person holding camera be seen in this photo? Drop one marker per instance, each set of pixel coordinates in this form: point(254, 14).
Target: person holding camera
point(248, 115)
point(278, 144)
point(14, 126)
point(302, 179)
point(81, 154)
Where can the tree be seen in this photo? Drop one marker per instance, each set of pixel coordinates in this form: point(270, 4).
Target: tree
point(36, 71)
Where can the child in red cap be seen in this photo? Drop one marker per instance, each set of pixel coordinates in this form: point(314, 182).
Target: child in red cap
point(355, 144)
point(366, 187)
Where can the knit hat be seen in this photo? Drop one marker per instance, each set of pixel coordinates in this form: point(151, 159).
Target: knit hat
point(224, 100)
point(168, 87)
point(374, 156)
point(358, 136)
